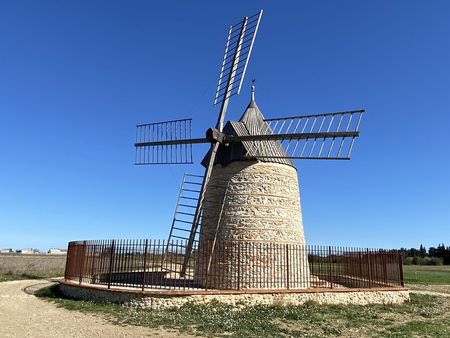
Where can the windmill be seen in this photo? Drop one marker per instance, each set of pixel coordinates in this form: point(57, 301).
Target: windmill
point(253, 152)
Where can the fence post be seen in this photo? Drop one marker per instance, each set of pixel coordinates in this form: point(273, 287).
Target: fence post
point(93, 253)
point(369, 268)
point(83, 258)
point(145, 264)
point(400, 266)
point(209, 258)
point(239, 265)
point(329, 267)
point(384, 260)
point(111, 263)
point(360, 272)
point(68, 262)
point(287, 266)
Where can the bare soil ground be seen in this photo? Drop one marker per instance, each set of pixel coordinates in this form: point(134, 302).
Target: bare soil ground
point(24, 315)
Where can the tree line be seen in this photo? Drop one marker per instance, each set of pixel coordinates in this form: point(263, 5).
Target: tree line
point(433, 256)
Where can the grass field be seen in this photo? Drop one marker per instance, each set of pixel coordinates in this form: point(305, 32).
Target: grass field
point(13, 267)
point(424, 316)
point(424, 274)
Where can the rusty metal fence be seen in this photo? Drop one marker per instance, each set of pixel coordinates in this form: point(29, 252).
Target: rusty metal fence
point(156, 265)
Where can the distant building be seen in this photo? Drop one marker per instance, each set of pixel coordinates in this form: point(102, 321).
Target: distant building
point(6, 251)
point(29, 251)
point(57, 251)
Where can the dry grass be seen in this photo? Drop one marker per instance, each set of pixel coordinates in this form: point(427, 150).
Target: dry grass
point(31, 266)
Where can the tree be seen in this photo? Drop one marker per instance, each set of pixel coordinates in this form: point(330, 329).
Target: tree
point(422, 251)
point(432, 251)
point(413, 252)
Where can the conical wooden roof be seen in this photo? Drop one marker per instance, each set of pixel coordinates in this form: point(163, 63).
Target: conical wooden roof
point(251, 123)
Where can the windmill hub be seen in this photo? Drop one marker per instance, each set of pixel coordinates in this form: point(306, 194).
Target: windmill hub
point(213, 134)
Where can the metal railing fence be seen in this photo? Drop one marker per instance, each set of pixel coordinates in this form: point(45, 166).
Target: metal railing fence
point(235, 265)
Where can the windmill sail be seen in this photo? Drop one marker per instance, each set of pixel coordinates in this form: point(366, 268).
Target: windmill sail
point(238, 49)
point(168, 142)
point(237, 53)
point(322, 136)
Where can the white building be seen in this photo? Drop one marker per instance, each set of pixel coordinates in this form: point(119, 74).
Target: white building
point(30, 251)
point(57, 251)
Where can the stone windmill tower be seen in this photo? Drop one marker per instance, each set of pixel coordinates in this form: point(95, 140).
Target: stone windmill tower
point(249, 193)
point(261, 204)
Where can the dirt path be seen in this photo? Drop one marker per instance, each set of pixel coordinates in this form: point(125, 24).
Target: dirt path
point(24, 315)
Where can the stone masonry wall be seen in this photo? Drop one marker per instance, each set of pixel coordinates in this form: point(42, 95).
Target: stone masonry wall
point(238, 300)
point(261, 212)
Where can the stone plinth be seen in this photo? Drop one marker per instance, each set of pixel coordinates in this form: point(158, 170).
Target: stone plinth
point(161, 301)
point(261, 216)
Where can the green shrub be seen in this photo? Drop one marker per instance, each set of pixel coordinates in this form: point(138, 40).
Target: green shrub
point(423, 261)
point(416, 260)
point(408, 261)
point(435, 261)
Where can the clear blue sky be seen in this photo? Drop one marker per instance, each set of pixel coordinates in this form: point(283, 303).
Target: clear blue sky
point(77, 76)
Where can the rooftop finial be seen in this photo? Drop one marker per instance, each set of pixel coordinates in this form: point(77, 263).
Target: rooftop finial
point(253, 90)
